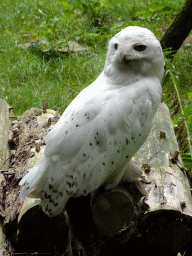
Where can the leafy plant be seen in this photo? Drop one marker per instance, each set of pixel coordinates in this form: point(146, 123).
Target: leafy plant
point(179, 254)
point(154, 13)
point(97, 11)
point(181, 116)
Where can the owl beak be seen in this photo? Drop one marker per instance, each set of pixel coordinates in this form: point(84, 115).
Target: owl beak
point(126, 60)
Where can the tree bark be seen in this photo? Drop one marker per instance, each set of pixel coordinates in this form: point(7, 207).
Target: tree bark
point(4, 155)
point(4, 134)
point(179, 30)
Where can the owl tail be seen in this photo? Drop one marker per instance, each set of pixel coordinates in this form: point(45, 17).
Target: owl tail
point(36, 184)
point(33, 182)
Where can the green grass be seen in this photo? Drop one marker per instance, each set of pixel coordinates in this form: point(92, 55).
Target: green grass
point(28, 76)
point(28, 79)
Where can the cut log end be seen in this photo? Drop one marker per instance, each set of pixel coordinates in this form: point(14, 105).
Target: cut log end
point(112, 210)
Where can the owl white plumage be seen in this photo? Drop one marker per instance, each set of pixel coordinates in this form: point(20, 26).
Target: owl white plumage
point(103, 127)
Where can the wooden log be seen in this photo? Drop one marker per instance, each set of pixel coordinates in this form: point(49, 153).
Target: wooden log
point(4, 131)
point(165, 178)
point(168, 219)
point(37, 150)
point(167, 204)
point(27, 139)
point(36, 231)
point(166, 210)
point(4, 153)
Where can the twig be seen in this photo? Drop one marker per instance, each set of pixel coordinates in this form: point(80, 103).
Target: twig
point(5, 162)
point(10, 108)
point(152, 157)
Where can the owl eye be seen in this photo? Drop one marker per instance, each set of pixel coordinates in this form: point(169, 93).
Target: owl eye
point(140, 47)
point(116, 46)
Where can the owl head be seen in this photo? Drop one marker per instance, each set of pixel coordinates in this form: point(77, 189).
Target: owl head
point(135, 51)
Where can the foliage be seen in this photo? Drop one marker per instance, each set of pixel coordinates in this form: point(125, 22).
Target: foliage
point(179, 254)
point(181, 116)
point(97, 11)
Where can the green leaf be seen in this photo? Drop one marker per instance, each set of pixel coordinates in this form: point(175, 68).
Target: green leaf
point(140, 13)
point(189, 94)
point(94, 30)
point(150, 10)
point(79, 32)
point(187, 161)
point(68, 13)
point(148, 14)
point(65, 4)
point(187, 110)
point(175, 121)
point(165, 12)
point(160, 7)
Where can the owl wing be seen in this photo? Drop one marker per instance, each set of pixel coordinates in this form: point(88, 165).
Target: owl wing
point(91, 144)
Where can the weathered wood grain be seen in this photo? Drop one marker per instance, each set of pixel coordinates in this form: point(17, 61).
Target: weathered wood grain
point(4, 151)
point(167, 184)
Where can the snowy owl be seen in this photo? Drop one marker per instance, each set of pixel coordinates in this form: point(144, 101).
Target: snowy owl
point(103, 127)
